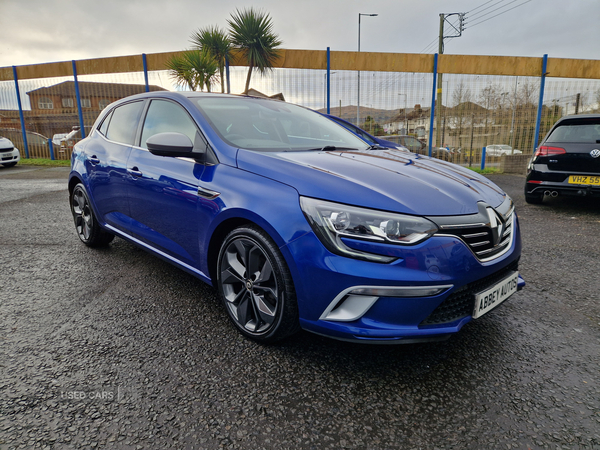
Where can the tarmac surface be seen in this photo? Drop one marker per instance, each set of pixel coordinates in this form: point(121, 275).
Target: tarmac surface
point(115, 348)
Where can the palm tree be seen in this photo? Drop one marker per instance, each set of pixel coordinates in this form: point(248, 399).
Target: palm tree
point(217, 43)
point(251, 31)
point(194, 69)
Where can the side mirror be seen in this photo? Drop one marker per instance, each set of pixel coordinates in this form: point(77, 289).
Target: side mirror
point(170, 144)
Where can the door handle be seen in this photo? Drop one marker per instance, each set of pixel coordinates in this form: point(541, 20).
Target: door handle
point(94, 160)
point(134, 171)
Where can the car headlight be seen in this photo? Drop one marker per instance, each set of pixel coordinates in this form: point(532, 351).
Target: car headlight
point(334, 221)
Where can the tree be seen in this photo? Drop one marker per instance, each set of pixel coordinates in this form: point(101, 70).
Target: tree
point(194, 69)
point(216, 42)
point(491, 98)
point(460, 98)
point(251, 31)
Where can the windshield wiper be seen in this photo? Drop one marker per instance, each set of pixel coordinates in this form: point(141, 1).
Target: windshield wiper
point(329, 148)
point(377, 147)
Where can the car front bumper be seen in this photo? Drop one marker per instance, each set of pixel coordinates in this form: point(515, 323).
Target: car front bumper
point(427, 294)
point(12, 156)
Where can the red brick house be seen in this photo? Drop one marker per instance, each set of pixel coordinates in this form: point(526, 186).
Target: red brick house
point(60, 98)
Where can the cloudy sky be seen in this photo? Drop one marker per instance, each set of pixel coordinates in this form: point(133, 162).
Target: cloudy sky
point(38, 31)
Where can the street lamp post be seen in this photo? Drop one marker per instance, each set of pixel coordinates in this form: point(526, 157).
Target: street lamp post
point(358, 92)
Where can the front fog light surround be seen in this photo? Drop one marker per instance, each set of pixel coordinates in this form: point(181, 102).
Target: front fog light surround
point(353, 303)
point(334, 221)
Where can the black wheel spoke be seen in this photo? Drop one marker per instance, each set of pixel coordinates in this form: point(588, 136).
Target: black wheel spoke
point(244, 309)
point(265, 290)
point(255, 258)
point(264, 310)
point(266, 272)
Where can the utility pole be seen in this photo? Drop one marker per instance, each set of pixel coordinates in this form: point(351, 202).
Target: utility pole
point(455, 32)
point(438, 102)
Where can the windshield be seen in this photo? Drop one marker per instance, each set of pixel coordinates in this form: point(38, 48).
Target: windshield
point(268, 125)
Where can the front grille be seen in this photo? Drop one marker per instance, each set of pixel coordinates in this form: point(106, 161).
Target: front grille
point(460, 303)
point(485, 241)
point(2, 150)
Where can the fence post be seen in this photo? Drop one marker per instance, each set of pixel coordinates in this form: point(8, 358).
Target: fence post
point(328, 80)
point(78, 98)
point(483, 158)
point(145, 71)
point(433, 95)
point(21, 116)
point(227, 75)
point(538, 120)
point(51, 148)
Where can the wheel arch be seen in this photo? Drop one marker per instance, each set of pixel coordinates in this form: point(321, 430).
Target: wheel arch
point(216, 240)
point(229, 224)
point(74, 180)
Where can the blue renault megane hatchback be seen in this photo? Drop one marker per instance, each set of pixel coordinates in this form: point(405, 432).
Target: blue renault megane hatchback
point(296, 221)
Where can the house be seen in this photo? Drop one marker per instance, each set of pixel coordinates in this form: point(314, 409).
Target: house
point(54, 108)
point(410, 121)
point(60, 98)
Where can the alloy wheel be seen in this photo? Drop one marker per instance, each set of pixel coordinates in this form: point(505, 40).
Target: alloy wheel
point(249, 285)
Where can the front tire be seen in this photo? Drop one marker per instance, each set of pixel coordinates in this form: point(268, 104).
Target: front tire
point(12, 164)
point(88, 229)
point(256, 287)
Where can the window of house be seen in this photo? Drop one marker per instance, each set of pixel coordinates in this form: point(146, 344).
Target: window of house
point(67, 102)
point(45, 103)
point(86, 103)
point(103, 103)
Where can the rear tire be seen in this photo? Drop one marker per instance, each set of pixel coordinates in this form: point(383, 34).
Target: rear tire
point(88, 229)
point(256, 287)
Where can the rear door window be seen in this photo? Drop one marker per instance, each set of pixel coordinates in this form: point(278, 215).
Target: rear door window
point(124, 122)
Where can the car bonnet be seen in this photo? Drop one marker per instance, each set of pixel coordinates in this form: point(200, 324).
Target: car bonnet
point(388, 179)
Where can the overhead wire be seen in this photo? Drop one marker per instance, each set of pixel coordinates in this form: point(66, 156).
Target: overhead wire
point(483, 4)
point(480, 14)
point(491, 6)
point(505, 11)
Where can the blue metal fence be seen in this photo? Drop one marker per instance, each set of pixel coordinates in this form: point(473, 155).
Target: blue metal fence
point(507, 115)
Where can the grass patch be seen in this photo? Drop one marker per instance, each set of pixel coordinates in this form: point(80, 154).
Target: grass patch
point(45, 162)
point(486, 171)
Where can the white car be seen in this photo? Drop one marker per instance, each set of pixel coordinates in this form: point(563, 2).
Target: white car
point(499, 150)
point(9, 154)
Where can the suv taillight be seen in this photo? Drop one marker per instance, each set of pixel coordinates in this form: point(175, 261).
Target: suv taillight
point(547, 151)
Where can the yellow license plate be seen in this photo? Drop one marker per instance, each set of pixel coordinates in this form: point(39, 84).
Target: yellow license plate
point(585, 179)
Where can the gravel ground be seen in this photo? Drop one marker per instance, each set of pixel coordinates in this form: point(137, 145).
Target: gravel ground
point(115, 348)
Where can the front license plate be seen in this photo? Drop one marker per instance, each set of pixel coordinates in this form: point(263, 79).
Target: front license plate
point(585, 179)
point(490, 298)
